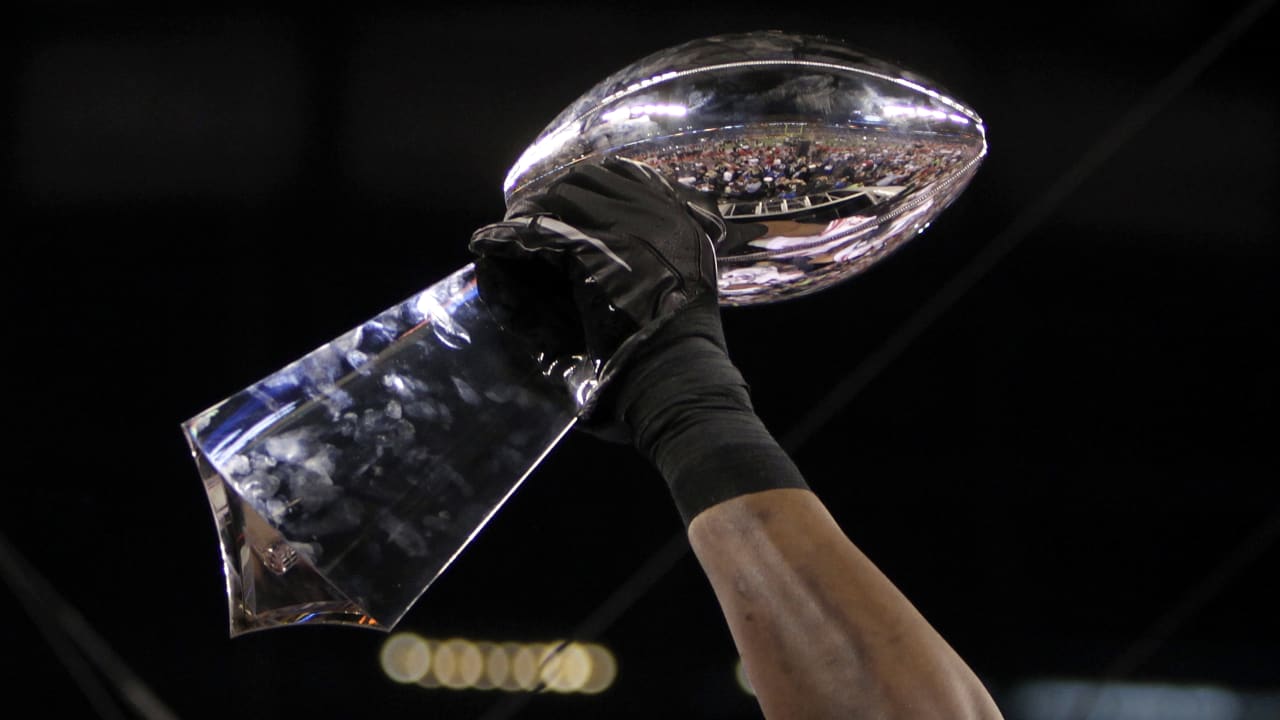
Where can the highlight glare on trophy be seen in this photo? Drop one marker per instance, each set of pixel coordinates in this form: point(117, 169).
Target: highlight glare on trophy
point(344, 484)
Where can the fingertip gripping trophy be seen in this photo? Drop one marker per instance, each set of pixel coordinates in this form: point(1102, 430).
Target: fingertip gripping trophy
point(345, 483)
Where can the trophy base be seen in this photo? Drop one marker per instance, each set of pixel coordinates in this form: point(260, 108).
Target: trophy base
point(269, 583)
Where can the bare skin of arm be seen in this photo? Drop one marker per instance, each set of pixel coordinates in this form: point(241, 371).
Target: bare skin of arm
point(822, 632)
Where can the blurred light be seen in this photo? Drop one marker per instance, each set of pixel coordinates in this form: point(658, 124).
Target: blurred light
point(575, 668)
point(467, 665)
point(485, 651)
point(459, 663)
point(497, 667)
point(912, 111)
point(405, 658)
point(634, 112)
point(603, 669)
point(549, 664)
point(524, 668)
point(1069, 700)
point(445, 666)
point(740, 673)
point(565, 668)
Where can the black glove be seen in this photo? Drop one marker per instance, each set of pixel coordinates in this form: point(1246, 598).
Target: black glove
point(615, 262)
point(597, 262)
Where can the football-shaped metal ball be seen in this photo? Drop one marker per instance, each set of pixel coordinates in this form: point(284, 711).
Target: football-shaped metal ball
point(828, 157)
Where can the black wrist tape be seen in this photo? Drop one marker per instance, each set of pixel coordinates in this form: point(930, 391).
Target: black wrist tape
point(690, 413)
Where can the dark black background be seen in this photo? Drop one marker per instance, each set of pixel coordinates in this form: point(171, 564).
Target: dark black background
point(1054, 471)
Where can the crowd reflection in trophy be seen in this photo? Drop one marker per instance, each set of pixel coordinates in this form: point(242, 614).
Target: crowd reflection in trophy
point(819, 193)
point(749, 174)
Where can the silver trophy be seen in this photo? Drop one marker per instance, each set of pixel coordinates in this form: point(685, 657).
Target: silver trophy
point(343, 485)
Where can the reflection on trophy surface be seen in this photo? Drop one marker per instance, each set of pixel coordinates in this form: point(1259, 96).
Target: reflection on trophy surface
point(345, 483)
point(821, 197)
point(837, 156)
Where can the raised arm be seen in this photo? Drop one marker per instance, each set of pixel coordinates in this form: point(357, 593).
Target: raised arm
point(822, 632)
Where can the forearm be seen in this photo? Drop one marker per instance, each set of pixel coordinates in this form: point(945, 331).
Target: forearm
point(822, 632)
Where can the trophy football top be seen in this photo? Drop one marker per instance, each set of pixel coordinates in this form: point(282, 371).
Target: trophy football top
point(837, 156)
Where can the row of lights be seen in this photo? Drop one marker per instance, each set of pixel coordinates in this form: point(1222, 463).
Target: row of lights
point(458, 664)
point(923, 112)
point(635, 112)
point(570, 667)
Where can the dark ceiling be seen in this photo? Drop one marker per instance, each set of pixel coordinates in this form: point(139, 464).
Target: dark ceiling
point(1070, 468)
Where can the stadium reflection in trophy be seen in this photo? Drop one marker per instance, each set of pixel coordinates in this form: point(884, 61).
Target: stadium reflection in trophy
point(345, 483)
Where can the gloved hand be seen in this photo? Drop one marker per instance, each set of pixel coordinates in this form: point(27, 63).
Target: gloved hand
point(597, 262)
point(615, 262)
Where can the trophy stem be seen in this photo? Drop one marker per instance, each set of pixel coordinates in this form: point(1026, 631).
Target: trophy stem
point(344, 484)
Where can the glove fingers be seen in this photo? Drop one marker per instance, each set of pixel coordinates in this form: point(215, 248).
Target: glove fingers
point(519, 238)
point(627, 229)
point(586, 208)
point(639, 172)
point(618, 179)
point(614, 220)
point(503, 239)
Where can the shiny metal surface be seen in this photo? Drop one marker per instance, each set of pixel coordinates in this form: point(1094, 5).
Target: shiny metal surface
point(834, 158)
